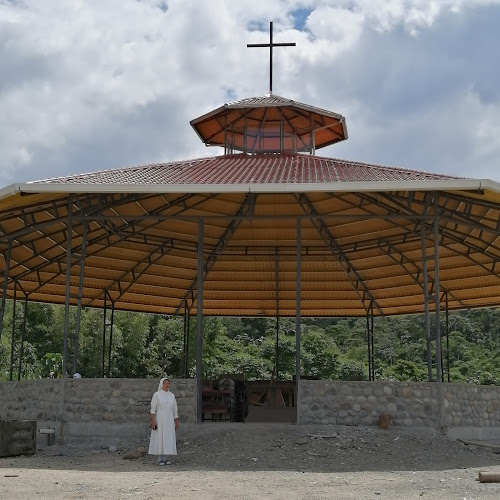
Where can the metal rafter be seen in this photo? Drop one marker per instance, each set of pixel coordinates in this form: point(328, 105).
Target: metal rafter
point(452, 234)
point(134, 273)
point(338, 252)
point(404, 262)
point(243, 210)
point(465, 217)
point(100, 237)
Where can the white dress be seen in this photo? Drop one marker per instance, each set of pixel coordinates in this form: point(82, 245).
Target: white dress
point(162, 442)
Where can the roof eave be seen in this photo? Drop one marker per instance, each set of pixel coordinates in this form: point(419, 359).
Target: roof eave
point(475, 185)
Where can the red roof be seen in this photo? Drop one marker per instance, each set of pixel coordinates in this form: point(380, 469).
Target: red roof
point(280, 168)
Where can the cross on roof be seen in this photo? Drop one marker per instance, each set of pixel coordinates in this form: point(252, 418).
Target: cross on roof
point(271, 45)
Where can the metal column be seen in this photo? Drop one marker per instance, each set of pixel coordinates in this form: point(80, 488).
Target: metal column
point(23, 334)
point(426, 303)
point(110, 337)
point(104, 334)
point(80, 293)
point(370, 343)
point(68, 283)
point(297, 307)
point(185, 360)
point(4, 290)
point(12, 342)
point(437, 298)
point(199, 323)
point(276, 262)
point(447, 339)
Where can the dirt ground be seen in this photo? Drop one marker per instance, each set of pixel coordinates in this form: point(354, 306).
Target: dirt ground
point(253, 460)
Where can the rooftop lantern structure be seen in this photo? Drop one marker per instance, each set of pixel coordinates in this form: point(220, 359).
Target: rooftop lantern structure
point(270, 123)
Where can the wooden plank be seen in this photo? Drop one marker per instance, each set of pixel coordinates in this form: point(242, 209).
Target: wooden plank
point(489, 477)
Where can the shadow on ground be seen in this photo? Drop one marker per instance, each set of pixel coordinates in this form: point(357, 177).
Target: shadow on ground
point(233, 447)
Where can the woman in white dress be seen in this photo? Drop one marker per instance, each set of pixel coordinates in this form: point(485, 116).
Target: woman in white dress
point(164, 423)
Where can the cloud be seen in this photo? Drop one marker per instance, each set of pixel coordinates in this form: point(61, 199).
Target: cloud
point(92, 85)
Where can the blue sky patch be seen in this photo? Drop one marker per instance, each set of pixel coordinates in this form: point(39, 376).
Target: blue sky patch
point(300, 17)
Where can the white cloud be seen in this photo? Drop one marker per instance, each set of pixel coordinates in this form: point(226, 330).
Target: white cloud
point(87, 85)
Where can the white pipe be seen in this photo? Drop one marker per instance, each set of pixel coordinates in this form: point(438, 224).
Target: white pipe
point(47, 431)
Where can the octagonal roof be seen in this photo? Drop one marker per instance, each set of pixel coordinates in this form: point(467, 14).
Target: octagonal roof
point(270, 123)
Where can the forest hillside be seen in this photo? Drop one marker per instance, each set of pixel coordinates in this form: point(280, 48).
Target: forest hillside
point(331, 348)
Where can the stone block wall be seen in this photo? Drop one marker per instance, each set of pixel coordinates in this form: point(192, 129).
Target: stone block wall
point(411, 404)
point(471, 405)
point(110, 409)
point(114, 409)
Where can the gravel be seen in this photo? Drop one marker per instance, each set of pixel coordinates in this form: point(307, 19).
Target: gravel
point(240, 461)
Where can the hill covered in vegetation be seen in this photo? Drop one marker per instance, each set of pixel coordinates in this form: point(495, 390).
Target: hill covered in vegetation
point(331, 348)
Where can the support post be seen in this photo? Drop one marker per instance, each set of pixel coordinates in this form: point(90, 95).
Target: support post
point(104, 335)
point(199, 323)
point(76, 338)
point(12, 339)
point(4, 289)
point(276, 263)
point(437, 298)
point(370, 342)
point(110, 337)
point(373, 346)
point(297, 306)
point(447, 339)
point(426, 302)
point(23, 334)
point(68, 284)
point(185, 359)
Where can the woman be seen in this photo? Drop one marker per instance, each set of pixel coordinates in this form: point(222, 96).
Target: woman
point(164, 423)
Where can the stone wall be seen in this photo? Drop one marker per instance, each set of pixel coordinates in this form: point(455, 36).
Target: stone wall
point(110, 409)
point(418, 404)
point(113, 409)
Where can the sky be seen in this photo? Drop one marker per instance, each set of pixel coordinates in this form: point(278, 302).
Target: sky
point(87, 85)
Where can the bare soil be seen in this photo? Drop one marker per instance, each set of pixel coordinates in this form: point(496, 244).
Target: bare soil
point(242, 461)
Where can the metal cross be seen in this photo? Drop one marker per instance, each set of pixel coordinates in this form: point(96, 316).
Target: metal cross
point(271, 45)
